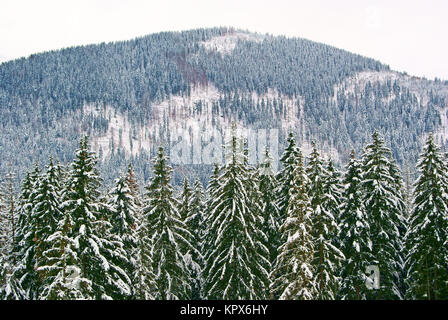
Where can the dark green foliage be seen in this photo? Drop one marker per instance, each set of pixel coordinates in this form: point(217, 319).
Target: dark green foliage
point(325, 199)
point(284, 177)
point(427, 262)
point(384, 208)
point(196, 225)
point(354, 235)
point(167, 232)
point(293, 274)
point(270, 212)
point(235, 258)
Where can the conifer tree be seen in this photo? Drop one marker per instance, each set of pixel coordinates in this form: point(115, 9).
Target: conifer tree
point(325, 200)
point(234, 263)
point(185, 211)
point(184, 201)
point(117, 284)
point(46, 214)
point(384, 208)
point(212, 186)
point(284, 176)
point(427, 261)
point(4, 245)
point(260, 236)
point(167, 233)
point(195, 224)
point(144, 287)
point(7, 215)
point(143, 278)
point(191, 211)
point(61, 265)
point(354, 235)
point(4, 227)
point(123, 219)
point(214, 180)
point(12, 270)
point(90, 226)
point(333, 199)
point(25, 277)
point(271, 214)
point(57, 263)
point(131, 181)
point(402, 225)
point(293, 274)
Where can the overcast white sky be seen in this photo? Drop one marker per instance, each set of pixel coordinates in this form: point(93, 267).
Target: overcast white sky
point(408, 35)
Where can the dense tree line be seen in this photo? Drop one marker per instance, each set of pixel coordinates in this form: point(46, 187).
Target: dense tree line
point(306, 232)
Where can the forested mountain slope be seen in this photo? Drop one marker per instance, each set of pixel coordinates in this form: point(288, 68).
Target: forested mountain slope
point(131, 96)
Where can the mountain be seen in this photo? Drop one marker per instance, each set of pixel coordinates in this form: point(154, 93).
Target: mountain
point(132, 95)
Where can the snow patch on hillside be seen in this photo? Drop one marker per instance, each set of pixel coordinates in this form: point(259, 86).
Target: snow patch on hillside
point(441, 134)
point(226, 44)
point(121, 134)
point(179, 112)
point(178, 116)
point(358, 82)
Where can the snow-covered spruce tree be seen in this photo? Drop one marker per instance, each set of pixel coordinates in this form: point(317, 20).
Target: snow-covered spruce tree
point(284, 176)
point(25, 276)
point(4, 245)
point(90, 230)
point(333, 189)
point(185, 213)
point(117, 283)
point(354, 235)
point(46, 215)
point(184, 202)
point(4, 226)
point(7, 228)
point(210, 192)
point(260, 236)
point(212, 186)
point(191, 211)
point(402, 225)
point(407, 193)
point(195, 224)
point(268, 187)
point(167, 233)
point(63, 275)
point(144, 288)
point(293, 274)
point(427, 260)
point(13, 271)
point(7, 216)
point(123, 219)
point(325, 199)
point(57, 263)
point(384, 208)
point(80, 202)
point(143, 278)
point(131, 181)
point(234, 265)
